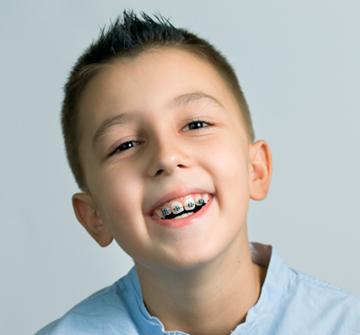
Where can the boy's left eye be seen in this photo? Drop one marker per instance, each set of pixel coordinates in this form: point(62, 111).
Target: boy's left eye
point(196, 124)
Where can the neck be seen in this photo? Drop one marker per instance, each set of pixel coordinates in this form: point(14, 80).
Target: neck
point(211, 299)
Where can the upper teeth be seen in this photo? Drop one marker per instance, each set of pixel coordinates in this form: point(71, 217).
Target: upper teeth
point(177, 206)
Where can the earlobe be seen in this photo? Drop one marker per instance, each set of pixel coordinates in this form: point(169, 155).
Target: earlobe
point(260, 170)
point(90, 219)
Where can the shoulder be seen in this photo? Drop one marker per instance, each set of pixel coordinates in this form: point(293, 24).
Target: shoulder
point(322, 307)
point(103, 312)
point(322, 292)
point(293, 302)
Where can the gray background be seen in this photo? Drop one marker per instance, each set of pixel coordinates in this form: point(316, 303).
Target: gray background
point(298, 63)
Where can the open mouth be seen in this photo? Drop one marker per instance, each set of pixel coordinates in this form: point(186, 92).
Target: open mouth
point(185, 217)
point(183, 214)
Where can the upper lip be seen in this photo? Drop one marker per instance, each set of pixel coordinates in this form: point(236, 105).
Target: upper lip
point(178, 193)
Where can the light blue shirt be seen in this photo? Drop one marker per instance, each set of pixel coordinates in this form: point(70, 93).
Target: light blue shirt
point(290, 303)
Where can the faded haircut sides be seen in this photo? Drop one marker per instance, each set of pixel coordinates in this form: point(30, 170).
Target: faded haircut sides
point(127, 38)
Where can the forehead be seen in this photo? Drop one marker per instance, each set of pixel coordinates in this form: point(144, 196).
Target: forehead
point(147, 84)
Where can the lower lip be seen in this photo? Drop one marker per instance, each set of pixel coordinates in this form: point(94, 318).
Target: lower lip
point(177, 223)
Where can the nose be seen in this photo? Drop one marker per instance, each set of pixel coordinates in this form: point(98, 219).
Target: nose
point(166, 157)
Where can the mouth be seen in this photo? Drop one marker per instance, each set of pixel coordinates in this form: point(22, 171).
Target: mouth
point(185, 218)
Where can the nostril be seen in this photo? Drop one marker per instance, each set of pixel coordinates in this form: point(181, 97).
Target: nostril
point(159, 172)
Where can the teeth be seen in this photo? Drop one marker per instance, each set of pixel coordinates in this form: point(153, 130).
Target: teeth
point(177, 206)
point(199, 200)
point(189, 203)
point(165, 211)
point(183, 216)
point(162, 212)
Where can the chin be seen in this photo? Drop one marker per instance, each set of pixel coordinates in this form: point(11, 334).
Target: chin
point(191, 258)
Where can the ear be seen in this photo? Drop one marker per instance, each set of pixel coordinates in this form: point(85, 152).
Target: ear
point(260, 169)
point(88, 216)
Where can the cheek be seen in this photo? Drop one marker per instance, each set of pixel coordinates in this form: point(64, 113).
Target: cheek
point(119, 193)
point(121, 211)
point(230, 173)
point(229, 161)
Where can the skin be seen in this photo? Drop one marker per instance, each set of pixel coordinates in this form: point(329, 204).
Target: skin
point(198, 278)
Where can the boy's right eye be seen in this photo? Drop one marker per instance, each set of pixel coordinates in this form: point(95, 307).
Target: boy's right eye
point(123, 147)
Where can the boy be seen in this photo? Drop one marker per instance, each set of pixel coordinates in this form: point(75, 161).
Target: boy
point(160, 140)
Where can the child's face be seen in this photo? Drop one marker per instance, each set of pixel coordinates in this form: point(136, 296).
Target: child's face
point(167, 155)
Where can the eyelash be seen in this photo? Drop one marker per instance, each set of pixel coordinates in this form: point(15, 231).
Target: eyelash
point(117, 149)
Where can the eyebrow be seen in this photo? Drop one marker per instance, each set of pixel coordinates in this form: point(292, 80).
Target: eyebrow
point(179, 101)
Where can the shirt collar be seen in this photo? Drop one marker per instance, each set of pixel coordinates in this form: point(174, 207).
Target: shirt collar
point(277, 281)
point(276, 284)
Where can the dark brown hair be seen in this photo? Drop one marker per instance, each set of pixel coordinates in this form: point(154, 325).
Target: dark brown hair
point(128, 38)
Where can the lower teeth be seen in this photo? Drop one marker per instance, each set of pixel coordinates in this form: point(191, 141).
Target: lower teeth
point(173, 217)
point(183, 216)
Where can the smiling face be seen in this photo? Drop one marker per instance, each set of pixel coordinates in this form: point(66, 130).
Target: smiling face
point(165, 122)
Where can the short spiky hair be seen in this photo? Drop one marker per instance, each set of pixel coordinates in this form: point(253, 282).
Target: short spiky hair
point(128, 38)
